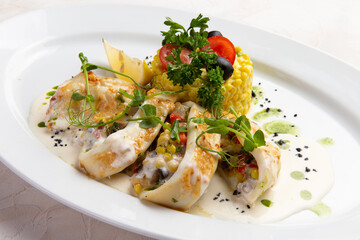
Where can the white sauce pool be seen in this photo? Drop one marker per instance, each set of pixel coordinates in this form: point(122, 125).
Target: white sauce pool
point(312, 170)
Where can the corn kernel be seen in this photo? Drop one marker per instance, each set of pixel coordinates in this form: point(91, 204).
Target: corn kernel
point(254, 173)
point(171, 148)
point(137, 188)
point(240, 177)
point(168, 156)
point(160, 150)
point(159, 163)
point(173, 165)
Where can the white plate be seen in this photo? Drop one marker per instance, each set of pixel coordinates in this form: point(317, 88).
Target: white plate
point(39, 50)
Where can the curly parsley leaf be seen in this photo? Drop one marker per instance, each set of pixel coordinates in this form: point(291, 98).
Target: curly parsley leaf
point(189, 38)
point(211, 94)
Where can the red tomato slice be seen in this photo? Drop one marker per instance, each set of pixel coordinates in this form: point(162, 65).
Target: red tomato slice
point(167, 49)
point(223, 47)
point(164, 52)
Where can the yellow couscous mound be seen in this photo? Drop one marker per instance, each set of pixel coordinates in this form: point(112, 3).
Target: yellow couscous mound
point(237, 89)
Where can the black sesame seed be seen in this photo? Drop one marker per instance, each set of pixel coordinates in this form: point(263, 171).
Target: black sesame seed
point(307, 169)
point(306, 178)
point(266, 99)
point(52, 136)
point(284, 116)
point(306, 158)
point(259, 83)
point(253, 94)
point(276, 134)
point(275, 90)
point(267, 110)
point(295, 115)
point(299, 155)
point(292, 125)
point(248, 206)
point(55, 145)
point(221, 200)
point(242, 211)
point(298, 149)
point(306, 147)
point(226, 199)
point(235, 192)
point(218, 194)
point(269, 101)
point(314, 170)
point(279, 110)
point(237, 208)
point(65, 145)
point(215, 198)
point(68, 128)
point(261, 105)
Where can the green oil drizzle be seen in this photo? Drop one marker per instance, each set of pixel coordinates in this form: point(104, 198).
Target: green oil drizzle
point(41, 124)
point(51, 93)
point(267, 113)
point(279, 126)
point(306, 195)
point(321, 209)
point(259, 94)
point(266, 202)
point(297, 175)
point(326, 142)
point(283, 144)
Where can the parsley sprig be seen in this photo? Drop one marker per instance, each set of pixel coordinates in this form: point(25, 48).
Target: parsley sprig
point(210, 95)
point(189, 38)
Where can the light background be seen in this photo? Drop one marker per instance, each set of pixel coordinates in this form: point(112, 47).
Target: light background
point(333, 26)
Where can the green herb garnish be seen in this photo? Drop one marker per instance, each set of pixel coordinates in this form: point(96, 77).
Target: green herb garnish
point(189, 38)
point(203, 61)
point(151, 120)
point(241, 128)
point(83, 117)
point(174, 200)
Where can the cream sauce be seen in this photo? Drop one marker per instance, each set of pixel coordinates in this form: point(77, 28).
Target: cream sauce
point(288, 196)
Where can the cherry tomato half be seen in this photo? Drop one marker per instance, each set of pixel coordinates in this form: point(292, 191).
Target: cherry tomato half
point(184, 55)
point(223, 47)
point(167, 49)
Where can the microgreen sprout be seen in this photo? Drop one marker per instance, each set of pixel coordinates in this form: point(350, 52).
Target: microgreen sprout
point(83, 117)
point(240, 127)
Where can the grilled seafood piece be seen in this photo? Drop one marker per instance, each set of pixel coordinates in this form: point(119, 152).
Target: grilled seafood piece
point(122, 148)
point(178, 177)
point(255, 172)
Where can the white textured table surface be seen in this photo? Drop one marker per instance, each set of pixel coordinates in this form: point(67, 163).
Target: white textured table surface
point(332, 26)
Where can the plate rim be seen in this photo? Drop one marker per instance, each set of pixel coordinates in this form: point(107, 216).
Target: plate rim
point(78, 208)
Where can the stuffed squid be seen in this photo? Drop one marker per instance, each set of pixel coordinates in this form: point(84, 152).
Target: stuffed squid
point(255, 172)
point(122, 148)
point(177, 173)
